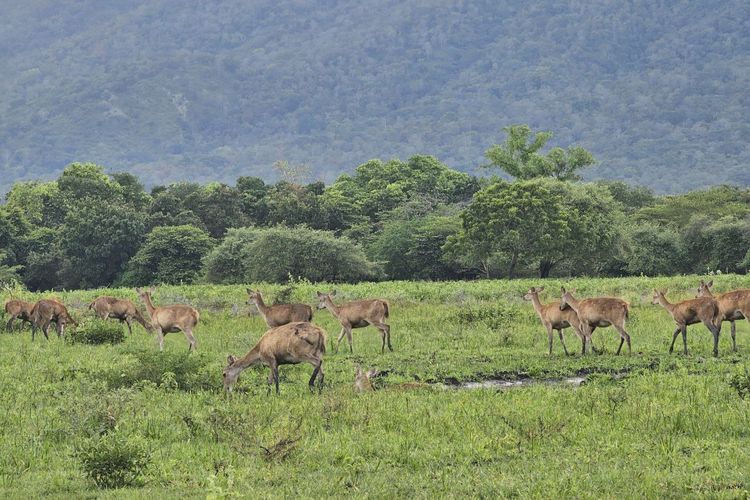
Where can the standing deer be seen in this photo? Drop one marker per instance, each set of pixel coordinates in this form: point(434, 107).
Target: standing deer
point(358, 314)
point(731, 305)
point(172, 318)
point(18, 309)
point(288, 344)
point(45, 312)
point(121, 309)
point(599, 312)
point(689, 312)
point(555, 318)
point(279, 314)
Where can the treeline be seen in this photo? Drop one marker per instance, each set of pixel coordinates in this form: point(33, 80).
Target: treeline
point(415, 219)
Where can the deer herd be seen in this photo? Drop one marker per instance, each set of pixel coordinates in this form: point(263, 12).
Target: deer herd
point(292, 338)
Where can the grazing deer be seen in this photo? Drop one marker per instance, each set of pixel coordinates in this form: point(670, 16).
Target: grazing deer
point(689, 312)
point(121, 309)
point(362, 379)
point(45, 312)
point(554, 318)
point(599, 312)
point(358, 314)
point(279, 314)
point(18, 309)
point(172, 318)
point(288, 344)
point(731, 305)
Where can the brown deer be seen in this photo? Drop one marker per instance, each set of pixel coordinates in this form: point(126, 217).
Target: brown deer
point(172, 318)
point(279, 314)
point(362, 379)
point(599, 312)
point(689, 312)
point(18, 309)
point(358, 314)
point(288, 344)
point(121, 309)
point(554, 318)
point(45, 312)
point(731, 305)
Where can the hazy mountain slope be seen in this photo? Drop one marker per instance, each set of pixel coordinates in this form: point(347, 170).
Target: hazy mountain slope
point(171, 90)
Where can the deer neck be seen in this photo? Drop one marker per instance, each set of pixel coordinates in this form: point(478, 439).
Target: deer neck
point(262, 308)
point(149, 305)
point(536, 303)
point(573, 303)
point(249, 359)
point(336, 311)
point(665, 303)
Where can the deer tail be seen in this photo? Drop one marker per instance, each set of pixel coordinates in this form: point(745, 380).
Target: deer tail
point(385, 306)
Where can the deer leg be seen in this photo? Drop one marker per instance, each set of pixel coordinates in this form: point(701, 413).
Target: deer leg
point(624, 337)
point(130, 327)
point(341, 336)
point(193, 344)
point(388, 336)
point(321, 376)
point(45, 329)
point(562, 341)
point(549, 338)
point(349, 338)
point(674, 338)
point(715, 332)
point(734, 334)
point(160, 338)
point(311, 383)
point(276, 377)
point(270, 380)
point(60, 328)
point(9, 327)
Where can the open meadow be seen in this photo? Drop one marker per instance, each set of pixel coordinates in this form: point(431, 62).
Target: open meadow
point(650, 424)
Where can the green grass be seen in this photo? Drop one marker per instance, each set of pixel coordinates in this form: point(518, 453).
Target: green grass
point(650, 424)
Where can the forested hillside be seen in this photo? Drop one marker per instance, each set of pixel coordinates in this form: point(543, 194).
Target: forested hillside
point(201, 91)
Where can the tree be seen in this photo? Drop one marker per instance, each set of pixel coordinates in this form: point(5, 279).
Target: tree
point(171, 254)
point(652, 250)
point(274, 254)
point(525, 221)
point(520, 156)
point(97, 240)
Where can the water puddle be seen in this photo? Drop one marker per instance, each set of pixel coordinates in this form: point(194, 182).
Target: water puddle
point(508, 384)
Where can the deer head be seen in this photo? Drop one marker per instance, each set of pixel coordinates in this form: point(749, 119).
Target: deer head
point(567, 295)
point(704, 288)
point(323, 297)
point(658, 295)
point(533, 291)
point(362, 379)
point(252, 297)
point(231, 373)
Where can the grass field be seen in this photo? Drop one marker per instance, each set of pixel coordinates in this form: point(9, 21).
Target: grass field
point(650, 424)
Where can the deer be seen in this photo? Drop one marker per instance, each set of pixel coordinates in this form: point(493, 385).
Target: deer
point(171, 318)
point(290, 344)
point(599, 312)
point(554, 318)
point(45, 312)
point(362, 379)
point(358, 314)
point(18, 309)
point(279, 314)
point(689, 312)
point(731, 306)
point(105, 307)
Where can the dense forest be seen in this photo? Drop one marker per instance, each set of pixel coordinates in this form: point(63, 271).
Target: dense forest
point(416, 219)
point(211, 91)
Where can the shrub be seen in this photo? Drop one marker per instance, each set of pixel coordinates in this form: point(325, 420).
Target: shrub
point(113, 461)
point(96, 332)
point(184, 371)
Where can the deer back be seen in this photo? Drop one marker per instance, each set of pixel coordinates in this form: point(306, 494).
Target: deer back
point(364, 311)
point(610, 309)
point(177, 315)
point(293, 343)
point(281, 314)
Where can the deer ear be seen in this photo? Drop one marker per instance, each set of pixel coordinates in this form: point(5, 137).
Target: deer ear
point(540, 289)
point(372, 372)
point(333, 293)
point(532, 290)
point(248, 291)
point(562, 289)
point(573, 290)
point(138, 290)
point(231, 359)
point(152, 289)
point(710, 284)
point(319, 294)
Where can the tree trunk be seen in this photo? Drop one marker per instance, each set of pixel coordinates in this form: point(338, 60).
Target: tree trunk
point(512, 267)
point(545, 266)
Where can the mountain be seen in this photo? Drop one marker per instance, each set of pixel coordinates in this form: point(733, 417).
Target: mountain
point(166, 89)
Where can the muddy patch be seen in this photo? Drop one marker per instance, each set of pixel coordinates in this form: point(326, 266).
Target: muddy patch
point(509, 384)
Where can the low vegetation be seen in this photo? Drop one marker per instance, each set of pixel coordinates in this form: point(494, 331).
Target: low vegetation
point(81, 420)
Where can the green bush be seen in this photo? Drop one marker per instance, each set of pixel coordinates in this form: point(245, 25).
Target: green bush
point(113, 461)
point(274, 254)
point(96, 332)
point(184, 371)
point(740, 381)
